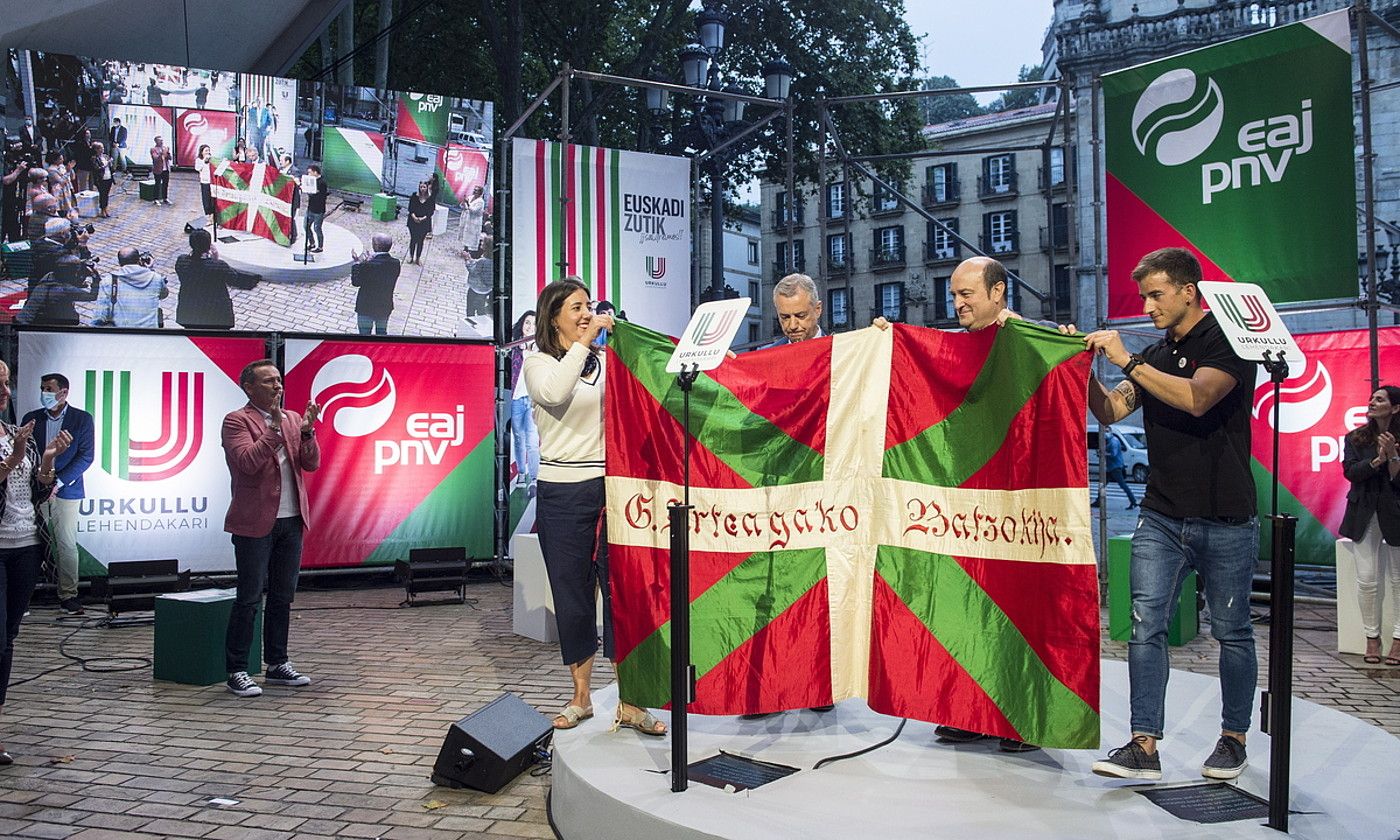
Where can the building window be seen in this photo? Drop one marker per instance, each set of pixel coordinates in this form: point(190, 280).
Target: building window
point(839, 302)
point(941, 244)
point(753, 292)
point(889, 246)
point(889, 299)
point(943, 295)
point(753, 252)
point(1063, 295)
point(1057, 166)
point(886, 201)
point(998, 175)
point(798, 260)
point(780, 213)
point(999, 232)
point(835, 201)
point(753, 332)
point(1059, 226)
point(942, 186)
point(836, 251)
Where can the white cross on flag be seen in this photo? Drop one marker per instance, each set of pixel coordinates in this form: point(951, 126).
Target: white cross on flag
point(254, 198)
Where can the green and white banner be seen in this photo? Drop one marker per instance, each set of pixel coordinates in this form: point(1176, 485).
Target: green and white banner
point(619, 220)
point(354, 160)
point(1243, 153)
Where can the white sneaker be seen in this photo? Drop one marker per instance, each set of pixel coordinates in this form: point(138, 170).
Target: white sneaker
point(243, 685)
point(285, 674)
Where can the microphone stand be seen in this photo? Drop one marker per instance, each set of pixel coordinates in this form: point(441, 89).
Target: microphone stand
point(1277, 700)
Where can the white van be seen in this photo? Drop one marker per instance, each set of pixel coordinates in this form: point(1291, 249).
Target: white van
point(1134, 441)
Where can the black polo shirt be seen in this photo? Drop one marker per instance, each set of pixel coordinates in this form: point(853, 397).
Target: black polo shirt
point(1200, 465)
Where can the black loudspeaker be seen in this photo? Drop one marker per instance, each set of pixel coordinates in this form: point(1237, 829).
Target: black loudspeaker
point(491, 746)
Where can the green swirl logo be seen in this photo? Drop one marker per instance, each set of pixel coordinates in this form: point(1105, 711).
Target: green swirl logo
point(1176, 119)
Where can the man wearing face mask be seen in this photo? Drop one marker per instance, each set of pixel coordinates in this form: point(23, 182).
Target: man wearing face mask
point(29, 136)
point(61, 510)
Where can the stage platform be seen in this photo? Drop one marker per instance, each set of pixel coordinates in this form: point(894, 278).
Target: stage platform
point(279, 264)
point(617, 785)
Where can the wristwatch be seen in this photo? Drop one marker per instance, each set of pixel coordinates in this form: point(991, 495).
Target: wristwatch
point(1133, 361)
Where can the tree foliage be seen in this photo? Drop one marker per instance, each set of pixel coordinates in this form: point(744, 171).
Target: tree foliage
point(949, 106)
point(1020, 97)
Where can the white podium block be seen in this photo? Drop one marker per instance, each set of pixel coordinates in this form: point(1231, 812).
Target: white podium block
point(440, 220)
point(1350, 639)
point(87, 203)
point(532, 612)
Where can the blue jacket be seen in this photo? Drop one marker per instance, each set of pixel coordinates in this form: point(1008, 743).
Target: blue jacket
point(76, 459)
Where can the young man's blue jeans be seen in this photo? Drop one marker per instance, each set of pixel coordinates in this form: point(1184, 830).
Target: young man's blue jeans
point(522, 433)
point(1223, 555)
point(366, 323)
point(315, 236)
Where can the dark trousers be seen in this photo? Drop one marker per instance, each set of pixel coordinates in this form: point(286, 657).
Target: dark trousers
point(570, 522)
point(19, 572)
point(315, 235)
point(273, 562)
point(206, 199)
point(162, 185)
point(416, 235)
point(104, 189)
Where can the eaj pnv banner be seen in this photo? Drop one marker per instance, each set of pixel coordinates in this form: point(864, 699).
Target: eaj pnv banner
point(1243, 153)
point(1320, 404)
point(620, 220)
point(406, 447)
point(867, 524)
point(158, 486)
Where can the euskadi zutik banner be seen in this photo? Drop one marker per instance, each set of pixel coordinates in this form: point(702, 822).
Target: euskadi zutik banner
point(619, 220)
point(406, 447)
point(867, 523)
point(158, 486)
point(1243, 153)
point(1320, 404)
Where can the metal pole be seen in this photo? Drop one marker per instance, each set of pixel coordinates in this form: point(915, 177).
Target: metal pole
point(1280, 693)
point(501, 520)
point(716, 230)
point(1360, 18)
point(789, 117)
point(1096, 205)
point(695, 233)
point(564, 197)
point(682, 674)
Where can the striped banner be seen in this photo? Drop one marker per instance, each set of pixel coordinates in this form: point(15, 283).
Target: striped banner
point(354, 160)
point(619, 220)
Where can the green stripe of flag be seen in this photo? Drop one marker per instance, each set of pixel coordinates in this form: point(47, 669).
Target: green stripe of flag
point(585, 206)
point(748, 443)
point(124, 422)
point(981, 638)
point(723, 618)
point(615, 219)
point(560, 209)
point(951, 451)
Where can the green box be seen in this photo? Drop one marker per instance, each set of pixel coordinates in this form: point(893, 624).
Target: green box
point(384, 207)
point(148, 190)
point(1183, 627)
point(190, 628)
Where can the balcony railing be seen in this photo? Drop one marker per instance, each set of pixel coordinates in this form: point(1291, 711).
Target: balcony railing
point(887, 258)
point(783, 268)
point(934, 253)
point(1056, 238)
point(780, 216)
point(1054, 180)
point(993, 188)
point(936, 195)
point(1005, 245)
point(837, 264)
point(884, 206)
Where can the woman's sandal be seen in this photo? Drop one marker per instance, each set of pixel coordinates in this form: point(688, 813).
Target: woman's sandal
point(572, 716)
point(647, 724)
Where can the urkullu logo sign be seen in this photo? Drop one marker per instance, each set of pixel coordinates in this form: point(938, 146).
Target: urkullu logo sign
point(181, 411)
point(356, 395)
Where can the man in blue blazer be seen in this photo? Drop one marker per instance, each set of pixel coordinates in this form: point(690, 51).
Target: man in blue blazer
point(61, 510)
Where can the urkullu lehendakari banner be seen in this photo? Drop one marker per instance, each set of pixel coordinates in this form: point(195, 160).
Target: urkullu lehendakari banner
point(867, 523)
point(158, 485)
point(620, 220)
point(1243, 153)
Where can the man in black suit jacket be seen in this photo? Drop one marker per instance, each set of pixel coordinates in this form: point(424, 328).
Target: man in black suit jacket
point(117, 134)
point(375, 277)
point(61, 510)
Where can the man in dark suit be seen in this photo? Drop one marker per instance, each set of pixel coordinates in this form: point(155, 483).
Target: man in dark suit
point(32, 140)
point(375, 276)
point(267, 449)
point(117, 135)
point(61, 510)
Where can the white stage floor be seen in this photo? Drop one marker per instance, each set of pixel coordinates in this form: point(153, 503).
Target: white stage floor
point(606, 784)
point(278, 264)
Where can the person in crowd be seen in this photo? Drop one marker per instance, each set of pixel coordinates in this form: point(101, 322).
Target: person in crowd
point(565, 380)
point(28, 478)
point(315, 207)
point(522, 421)
point(240, 150)
point(1113, 455)
point(481, 276)
point(11, 205)
point(52, 300)
point(132, 298)
point(60, 185)
point(201, 96)
point(82, 153)
point(286, 167)
point(203, 300)
point(269, 143)
point(102, 175)
point(1198, 511)
point(473, 215)
point(255, 126)
point(375, 276)
point(36, 190)
point(421, 206)
point(268, 449)
point(1371, 462)
point(116, 136)
point(60, 510)
point(155, 94)
point(204, 166)
point(160, 170)
point(799, 308)
point(47, 249)
point(31, 138)
point(250, 155)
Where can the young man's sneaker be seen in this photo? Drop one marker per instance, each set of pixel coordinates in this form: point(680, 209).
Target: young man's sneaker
point(285, 674)
point(71, 606)
point(1131, 761)
point(1227, 762)
point(243, 685)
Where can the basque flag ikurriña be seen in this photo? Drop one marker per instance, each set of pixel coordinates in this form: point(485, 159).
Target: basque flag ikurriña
point(900, 515)
point(254, 198)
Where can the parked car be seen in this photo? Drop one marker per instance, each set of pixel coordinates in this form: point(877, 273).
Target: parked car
point(1134, 441)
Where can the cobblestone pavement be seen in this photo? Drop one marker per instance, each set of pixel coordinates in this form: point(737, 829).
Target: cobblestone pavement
point(429, 300)
point(117, 755)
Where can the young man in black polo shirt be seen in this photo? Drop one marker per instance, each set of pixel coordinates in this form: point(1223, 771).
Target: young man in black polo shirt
point(1199, 509)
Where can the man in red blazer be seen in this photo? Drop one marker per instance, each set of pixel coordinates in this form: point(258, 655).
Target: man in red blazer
point(267, 449)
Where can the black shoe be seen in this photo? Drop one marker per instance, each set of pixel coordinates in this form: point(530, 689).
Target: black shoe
point(1130, 761)
point(1094, 503)
point(243, 685)
point(757, 715)
point(285, 674)
point(954, 735)
point(71, 606)
point(820, 709)
point(1227, 762)
point(6, 759)
point(1011, 745)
